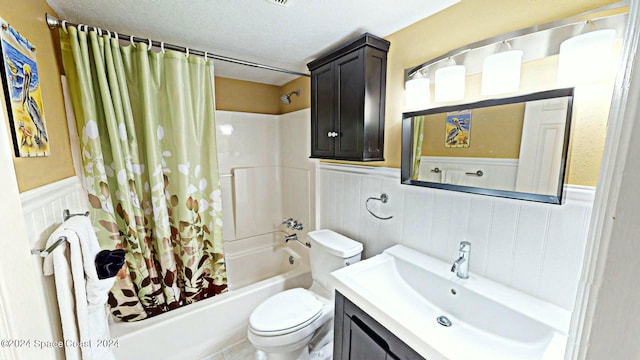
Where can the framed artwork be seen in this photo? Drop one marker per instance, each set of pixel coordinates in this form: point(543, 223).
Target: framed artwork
point(21, 84)
point(458, 129)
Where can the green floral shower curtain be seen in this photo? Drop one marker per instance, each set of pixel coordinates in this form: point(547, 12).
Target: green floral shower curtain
point(147, 133)
point(418, 138)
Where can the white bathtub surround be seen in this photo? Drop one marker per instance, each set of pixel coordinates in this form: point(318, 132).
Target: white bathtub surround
point(532, 247)
point(82, 297)
point(191, 326)
point(265, 176)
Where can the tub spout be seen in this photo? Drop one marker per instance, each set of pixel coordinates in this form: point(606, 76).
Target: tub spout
point(287, 238)
point(294, 237)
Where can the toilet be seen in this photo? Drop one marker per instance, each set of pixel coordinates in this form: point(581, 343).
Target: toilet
point(298, 322)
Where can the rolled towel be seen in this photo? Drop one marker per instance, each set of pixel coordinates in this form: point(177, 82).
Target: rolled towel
point(109, 262)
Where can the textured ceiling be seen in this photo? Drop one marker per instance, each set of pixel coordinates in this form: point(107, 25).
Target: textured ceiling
point(253, 30)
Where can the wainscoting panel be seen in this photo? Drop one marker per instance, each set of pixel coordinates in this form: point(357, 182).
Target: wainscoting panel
point(533, 247)
point(42, 208)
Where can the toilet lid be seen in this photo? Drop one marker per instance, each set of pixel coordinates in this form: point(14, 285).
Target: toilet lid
point(285, 312)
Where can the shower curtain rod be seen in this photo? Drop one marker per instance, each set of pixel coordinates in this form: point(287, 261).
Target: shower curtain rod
point(54, 22)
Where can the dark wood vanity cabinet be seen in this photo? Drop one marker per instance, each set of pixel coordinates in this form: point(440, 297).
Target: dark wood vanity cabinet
point(357, 336)
point(348, 88)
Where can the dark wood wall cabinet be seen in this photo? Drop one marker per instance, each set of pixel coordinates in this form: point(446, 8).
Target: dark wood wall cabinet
point(348, 87)
point(357, 336)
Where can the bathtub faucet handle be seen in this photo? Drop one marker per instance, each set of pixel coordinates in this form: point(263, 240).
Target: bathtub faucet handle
point(292, 224)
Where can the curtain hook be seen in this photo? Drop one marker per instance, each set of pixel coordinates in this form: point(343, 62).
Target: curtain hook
point(206, 55)
point(150, 44)
point(116, 36)
point(64, 26)
point(80, 26)
point(131, 41)
point(187, 53)
point(162, 47)
point(108, 33)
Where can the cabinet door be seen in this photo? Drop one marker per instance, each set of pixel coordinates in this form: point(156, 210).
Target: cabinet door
point(322, 112)
point(357, 336)
point(364, 344)
point(349, 72)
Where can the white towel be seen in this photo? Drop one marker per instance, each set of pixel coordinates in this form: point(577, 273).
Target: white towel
point(455, 177)
point(81, 295)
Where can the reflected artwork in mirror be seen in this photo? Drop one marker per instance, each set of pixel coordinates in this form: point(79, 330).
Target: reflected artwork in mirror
point(512, 147)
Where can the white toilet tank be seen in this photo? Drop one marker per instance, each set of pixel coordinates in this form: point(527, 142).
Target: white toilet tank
point(330, 251)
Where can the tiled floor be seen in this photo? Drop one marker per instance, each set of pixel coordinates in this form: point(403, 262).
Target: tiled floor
point(240, 351)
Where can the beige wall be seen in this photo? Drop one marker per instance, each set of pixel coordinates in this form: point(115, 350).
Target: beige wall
point(303, 101)
point(252, 97)
point(27, 16)
point(495, 133)
point(247, 96)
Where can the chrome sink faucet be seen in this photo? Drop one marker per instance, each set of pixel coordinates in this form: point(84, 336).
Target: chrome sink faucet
point(461, 266)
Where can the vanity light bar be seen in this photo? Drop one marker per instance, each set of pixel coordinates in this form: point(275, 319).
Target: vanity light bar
point(524, 38)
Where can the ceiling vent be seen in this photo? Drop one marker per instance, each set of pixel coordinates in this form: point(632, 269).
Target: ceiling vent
point(279, 2)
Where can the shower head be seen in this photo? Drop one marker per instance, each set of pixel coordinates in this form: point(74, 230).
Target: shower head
point(286, 98)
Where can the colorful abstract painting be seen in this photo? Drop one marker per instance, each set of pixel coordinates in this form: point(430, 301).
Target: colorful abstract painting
point(458, 129)
point(21, 83)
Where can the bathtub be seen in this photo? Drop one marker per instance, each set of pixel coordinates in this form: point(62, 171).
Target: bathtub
point(200, 330)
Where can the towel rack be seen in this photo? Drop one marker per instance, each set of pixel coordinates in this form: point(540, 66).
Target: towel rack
point(66, 215)
point(383, 198)
point(478, 173)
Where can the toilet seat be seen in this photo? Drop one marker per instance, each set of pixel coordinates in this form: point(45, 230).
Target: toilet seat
point(285, 313)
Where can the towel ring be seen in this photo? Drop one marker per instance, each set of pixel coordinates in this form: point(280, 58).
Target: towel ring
point(383, 198)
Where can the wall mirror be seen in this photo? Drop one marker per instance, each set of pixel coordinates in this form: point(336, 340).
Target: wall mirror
point(512, 147)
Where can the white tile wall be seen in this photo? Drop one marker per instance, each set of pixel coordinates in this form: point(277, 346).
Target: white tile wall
point(298, 171)
point(536, 248)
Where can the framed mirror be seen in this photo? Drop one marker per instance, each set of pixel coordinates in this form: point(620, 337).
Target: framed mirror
point(512, 147)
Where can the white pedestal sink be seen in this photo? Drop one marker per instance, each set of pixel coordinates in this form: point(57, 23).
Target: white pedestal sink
point(407, 291)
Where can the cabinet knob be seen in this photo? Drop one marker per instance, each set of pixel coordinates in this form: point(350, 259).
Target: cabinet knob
point(332, 134)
